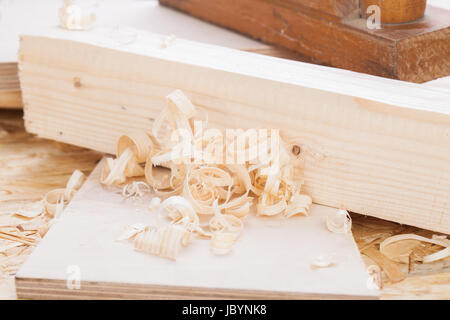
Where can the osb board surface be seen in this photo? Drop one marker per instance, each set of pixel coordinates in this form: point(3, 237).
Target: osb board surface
point(29, 167)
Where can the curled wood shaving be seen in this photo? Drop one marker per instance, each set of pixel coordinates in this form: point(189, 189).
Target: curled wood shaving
point(131, 231)
point(222, 242)
point(339, 222)
point(445, 253)
point(74, 183)
point(115, 171)
point(197, 181)
point(135, 189)
point(322, 261)
point(30, 211)
point(139, 142)
point(300, 204)
point(165, 242)
point(180, 211)
point(154, 203)
point(55, 200)
point(72, 17)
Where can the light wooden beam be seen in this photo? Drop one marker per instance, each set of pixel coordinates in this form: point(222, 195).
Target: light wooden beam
point(374, 146)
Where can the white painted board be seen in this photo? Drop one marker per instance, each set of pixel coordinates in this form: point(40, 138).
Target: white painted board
point(272, 258)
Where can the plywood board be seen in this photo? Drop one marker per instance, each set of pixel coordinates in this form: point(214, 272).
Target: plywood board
point(272, 259)
point(364, 139)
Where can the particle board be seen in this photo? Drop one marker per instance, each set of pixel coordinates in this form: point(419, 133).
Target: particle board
point(371, 145)
point(280, 264)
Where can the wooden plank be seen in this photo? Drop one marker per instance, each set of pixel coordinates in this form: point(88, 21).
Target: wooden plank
point(364, 139)
point(415, 52)
point(281, 266)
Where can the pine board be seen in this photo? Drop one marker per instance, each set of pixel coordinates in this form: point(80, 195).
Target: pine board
point(260, 266)
point(372, 145)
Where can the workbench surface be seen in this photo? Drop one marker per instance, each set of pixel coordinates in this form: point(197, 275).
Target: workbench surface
point(30, 167)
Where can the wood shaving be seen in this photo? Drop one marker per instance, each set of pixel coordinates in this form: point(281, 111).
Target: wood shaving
point(56, 200)
point(115, 171)
point(323, 261)
point(131, 231)
point(197, 182)
point(340, 222)
point(76, 180)
point(72, 17)
point(165, 242)
point(135, 189)
point(443, 254)
point(222, 242)
point(30, 211)
point(154, 203)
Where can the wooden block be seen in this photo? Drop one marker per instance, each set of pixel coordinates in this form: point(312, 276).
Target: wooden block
point(371, 145)
point(280, 265)
point(415, 52)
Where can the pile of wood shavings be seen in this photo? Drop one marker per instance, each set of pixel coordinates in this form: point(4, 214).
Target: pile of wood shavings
point(21, 231)
point(224, 193)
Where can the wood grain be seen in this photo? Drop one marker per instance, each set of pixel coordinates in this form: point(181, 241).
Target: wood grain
point(345, 43)
point(10, 96)
point(396, 11)
point(338, 8)
point(363, 146)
